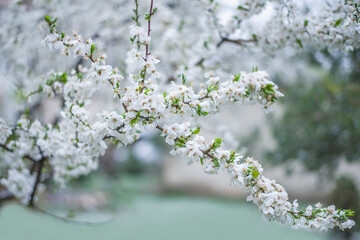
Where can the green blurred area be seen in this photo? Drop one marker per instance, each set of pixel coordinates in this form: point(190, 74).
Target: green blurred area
point(154, 217)
point(320, 123)
point(320, 127)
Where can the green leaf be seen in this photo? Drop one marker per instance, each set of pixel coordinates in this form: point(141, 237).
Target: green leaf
point(196, 131)
point(255, 174)
point(175, 101)
point(217, 143)
point(50, 81)
point(212, 88)
point(236, 77)
point(92, 49)
point(134, 121)
point(216, 162)
point(183, 77)
point(180, 142)
point(350, 213)
point(232, 156)
point(206, 45)
point(48, 19)
point(298, 41)
point(306, 22)
point(200, 112)
point(268, 90)
point(27, 111)
point(142, 73)
point(338, 22)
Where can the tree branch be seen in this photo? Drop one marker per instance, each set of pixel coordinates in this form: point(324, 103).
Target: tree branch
point(37, 181)
point(6, 196)
point(239, 42)
point(147, 45)
point(3, 146)
point(69, 220)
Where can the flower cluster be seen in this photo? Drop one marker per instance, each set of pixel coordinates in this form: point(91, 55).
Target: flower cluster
point(333, 25)
point(5, 131)
point(243, 87)
point(73, 45)
point(139, 35)
point(20, 183)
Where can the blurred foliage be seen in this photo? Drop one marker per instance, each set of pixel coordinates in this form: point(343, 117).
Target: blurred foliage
point(128, 162)
point(320, 125)
point(321, 120)
point(346, 195)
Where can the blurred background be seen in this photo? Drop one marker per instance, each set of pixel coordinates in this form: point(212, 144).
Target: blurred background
point(310, 143)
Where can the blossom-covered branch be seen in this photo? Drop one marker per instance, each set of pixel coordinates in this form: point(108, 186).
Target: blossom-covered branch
point(71, 147)
point(271, 198)
point(335, 26)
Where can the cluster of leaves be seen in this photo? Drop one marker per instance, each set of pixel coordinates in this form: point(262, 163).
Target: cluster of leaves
point(54, 77)
point(357, 15)
point(181, 142)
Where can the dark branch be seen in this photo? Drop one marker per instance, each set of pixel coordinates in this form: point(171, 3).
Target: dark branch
point(3, 146)
point(37, 181)
point(239, 42)
point(236, 41)
point(6, 196)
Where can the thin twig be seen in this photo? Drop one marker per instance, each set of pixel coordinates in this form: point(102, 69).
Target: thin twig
point(160, 128)
point(239, 42)
point(6, 147)
point(236, 41)
point(147, 45)
point(112, 84)
point(149, 28)
point(69, 220)
point(3, 146)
